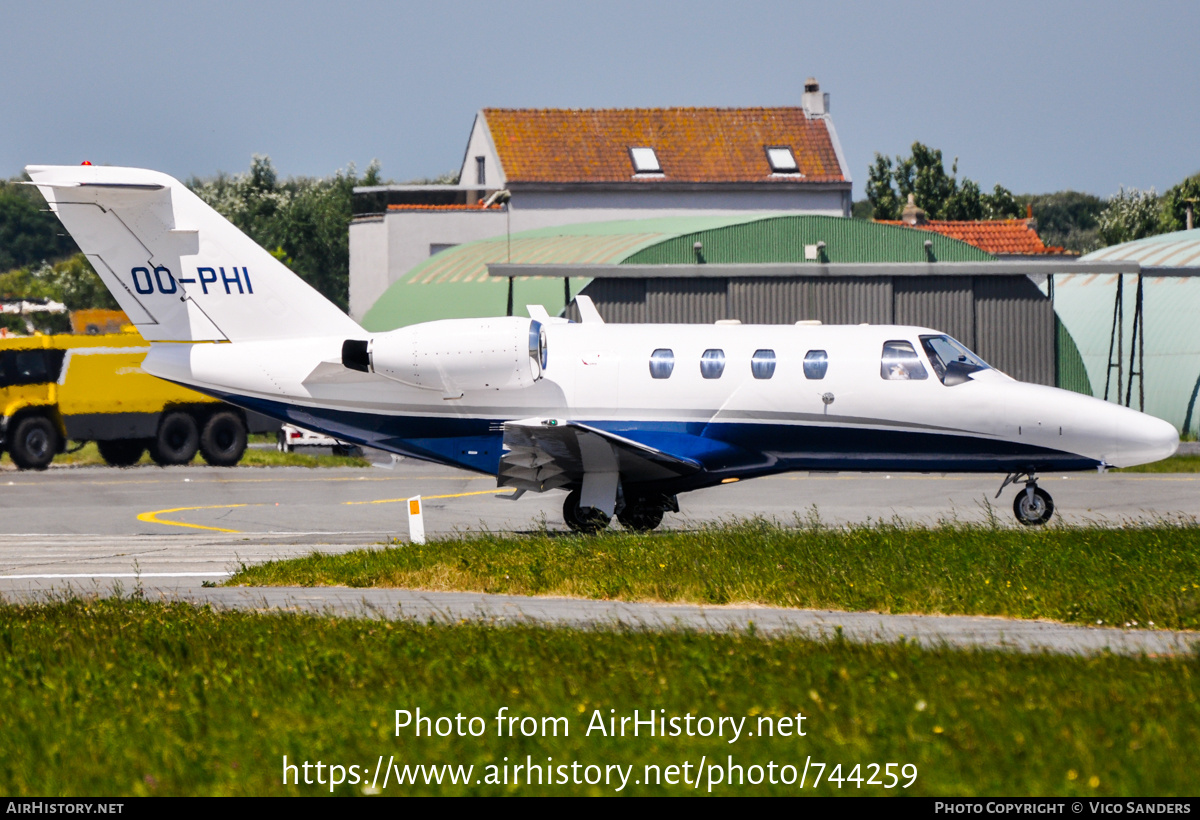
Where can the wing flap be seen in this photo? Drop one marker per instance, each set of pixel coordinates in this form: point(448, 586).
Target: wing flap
point(545, 454)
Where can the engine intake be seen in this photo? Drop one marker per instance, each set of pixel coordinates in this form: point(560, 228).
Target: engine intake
point(455, 355)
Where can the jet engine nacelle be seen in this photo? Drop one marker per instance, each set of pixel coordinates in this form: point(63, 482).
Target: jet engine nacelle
point(455, 355)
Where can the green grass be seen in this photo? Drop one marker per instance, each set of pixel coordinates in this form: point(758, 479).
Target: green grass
point(1174, 464)
point(127, 697)
point(89, 456)
point(1074, 574)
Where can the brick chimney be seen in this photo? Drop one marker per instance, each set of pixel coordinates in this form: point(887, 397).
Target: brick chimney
point(912, 215)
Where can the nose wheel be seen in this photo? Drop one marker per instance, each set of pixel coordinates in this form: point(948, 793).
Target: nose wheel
point(1033, 506)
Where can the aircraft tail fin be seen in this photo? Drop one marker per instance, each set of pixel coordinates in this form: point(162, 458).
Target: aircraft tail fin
point(179, 269)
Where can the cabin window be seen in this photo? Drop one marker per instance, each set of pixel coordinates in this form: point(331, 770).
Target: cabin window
point(952, 361)
point(762, 364)
point(816, 363)
point(712, 364)
point(900, 363)
point(662, 362)
point(480, 171)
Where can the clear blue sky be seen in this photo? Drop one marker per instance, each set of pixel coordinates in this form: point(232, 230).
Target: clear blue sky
point(1038, 96)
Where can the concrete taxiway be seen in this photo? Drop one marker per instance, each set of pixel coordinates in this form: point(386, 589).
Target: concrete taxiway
point(166, 532)
point(368, 502)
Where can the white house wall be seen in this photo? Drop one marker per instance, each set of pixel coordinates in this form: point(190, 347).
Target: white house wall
point(368, 263)
point(408, 238)
point(480, 145)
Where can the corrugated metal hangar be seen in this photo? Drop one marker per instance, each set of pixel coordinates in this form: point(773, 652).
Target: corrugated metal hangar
point(1136, 333)
point(455, 282)
point(755, 268)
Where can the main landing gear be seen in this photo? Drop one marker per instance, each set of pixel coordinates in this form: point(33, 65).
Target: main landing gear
point(587, 520)
point(1033, 506)
point(641, 514)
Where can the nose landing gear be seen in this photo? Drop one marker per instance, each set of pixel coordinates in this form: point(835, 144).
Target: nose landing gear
point(1033, 506)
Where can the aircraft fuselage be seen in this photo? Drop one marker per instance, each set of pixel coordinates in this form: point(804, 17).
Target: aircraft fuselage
point(737, 399)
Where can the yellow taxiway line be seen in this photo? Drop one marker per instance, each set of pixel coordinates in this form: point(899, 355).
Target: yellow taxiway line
point(429, 497)
point(152, 517)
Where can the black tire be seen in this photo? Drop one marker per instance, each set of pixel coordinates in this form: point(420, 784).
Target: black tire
point(34, 442)
point(121, 452)
point(1036, 511)
point(224, 439)
point(587, 520)
point(177, 440)
point(640, 518)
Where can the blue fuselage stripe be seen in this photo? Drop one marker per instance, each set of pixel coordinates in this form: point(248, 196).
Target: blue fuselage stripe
point(726, 450)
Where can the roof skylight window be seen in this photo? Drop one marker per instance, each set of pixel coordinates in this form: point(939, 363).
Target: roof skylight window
point(782, 160)
point(645, 161)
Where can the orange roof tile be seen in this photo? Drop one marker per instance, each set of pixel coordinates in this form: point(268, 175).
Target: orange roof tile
point(996, 236)
point(692, 144)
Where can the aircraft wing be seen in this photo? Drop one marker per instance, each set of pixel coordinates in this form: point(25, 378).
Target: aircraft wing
point(545, 454)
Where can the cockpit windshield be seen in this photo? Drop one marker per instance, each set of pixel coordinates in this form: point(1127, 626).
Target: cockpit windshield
point(951, 359)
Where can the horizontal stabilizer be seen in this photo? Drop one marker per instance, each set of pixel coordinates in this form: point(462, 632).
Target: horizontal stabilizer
point(128, 186)
point(180, 270)
point(337, 373)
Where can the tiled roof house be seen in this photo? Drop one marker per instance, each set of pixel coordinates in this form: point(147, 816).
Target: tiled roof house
point(659, 147)
point(525, 169)
point(1004, 238)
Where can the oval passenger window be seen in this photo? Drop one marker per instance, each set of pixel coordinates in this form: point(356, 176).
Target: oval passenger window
point(662, 362)
point(762, 364)
point(816, 363)
point(712, 364)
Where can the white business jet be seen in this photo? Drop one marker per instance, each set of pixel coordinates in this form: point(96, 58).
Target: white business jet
point(622, 417)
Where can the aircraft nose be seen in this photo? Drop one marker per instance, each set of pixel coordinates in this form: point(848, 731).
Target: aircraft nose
point(1141, 439)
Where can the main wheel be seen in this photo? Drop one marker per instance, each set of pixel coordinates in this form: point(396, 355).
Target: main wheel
point(177, 440)
point(121, 452)
point(588, 520)
point(34, 443)
point(640, 518)
point(1035, 511)
point(224, 439)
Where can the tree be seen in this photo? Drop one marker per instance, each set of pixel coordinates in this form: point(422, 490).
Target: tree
point(880, 193)
point(448, 178)
point(1066, 219)
point(305, 220)
point(1130, 214)
point(71, 281)
point(1001, 204)
point(1173, 216)
point(862, 209)
point(923, 175)
point(964, 203)
point(75, 283)
point(29, 233)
